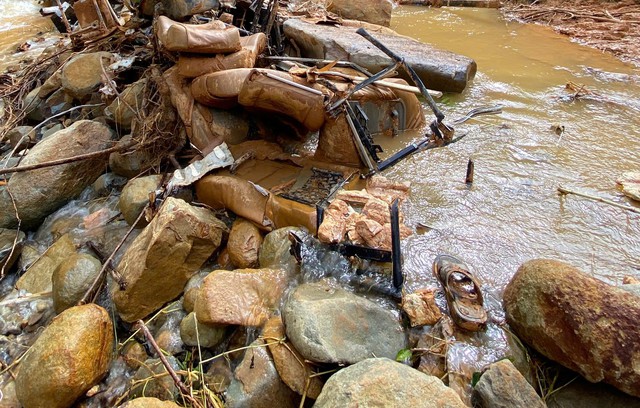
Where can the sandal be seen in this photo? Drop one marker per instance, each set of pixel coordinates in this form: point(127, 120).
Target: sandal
point(462, 291)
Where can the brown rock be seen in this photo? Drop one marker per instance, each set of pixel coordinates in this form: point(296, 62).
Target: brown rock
point(421, 308)
point(82, 74)
point(371, 11)
point(374, 234)
point(135, 196)
point(244, 244)
point(334, 225)
point(158, 264)
point(377, 210)
point(125, 107)
point(70, 356)
point(243, 297)
point(578, 321)
point(72, 278)
point(148, 402)
point(291, 366)
point(502, 386)
point(38, 278)
point(335, 143)
point(359, 197)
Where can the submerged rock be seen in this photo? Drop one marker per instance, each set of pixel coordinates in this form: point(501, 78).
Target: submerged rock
point(380, 382)
point(243, 297)
point(580, 322)
point(158, 264)
point(40, 192)
point(256, 383)
point(69, 358)
point(72, 278)
point(330, 325)
point(502, 386)
point(440, 70)
point(244, 244)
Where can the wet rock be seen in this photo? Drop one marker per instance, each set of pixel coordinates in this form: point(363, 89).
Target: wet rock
point(275, 250)
point(191, 290)
point(40, 192)
point(334, 225)
point(243, 297)
point(135, 196)
point(168, 335)
point(52, 84)
point(331, 325)
point(194, 333)
point(130, 164)
point(380, 382)
point(502, 386)
point(291, 366)
point(149, 402)
point(256, 383)
point(7, 240)
point(21, 137)
point(150, 384)
point(582, 394)
point(108, 183)
point(72, 278)
point(126, 106)
point(69, 358)
point(421, 308)
point(8, 398)
point(244, 244)
point(374, 234)
point(219, 375)
point(440, 70)
point(164, 256)
point(38, 278)
point(179, 9)
point(134, 354)
point(82, 74)
point(580, 322)
point(376, 11)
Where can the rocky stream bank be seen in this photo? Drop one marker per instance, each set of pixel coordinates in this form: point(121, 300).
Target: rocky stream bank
point(181, 226)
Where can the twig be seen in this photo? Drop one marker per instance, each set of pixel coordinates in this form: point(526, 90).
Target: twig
point(67, 159)
point(26, 298)
point(183, 389)
point(15, 241)
point(63, 17)
point(107, 263)
point(563, 190)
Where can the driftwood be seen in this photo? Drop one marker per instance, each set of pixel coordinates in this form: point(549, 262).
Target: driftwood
point(563, 190)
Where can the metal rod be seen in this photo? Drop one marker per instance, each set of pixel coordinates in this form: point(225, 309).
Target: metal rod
point(364, 84)
point(362, 152)
point(294, 84)
point(416, 79)
point(346, 64)
point(396, 254)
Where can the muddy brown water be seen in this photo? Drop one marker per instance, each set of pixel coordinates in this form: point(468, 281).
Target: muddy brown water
point(512, 212)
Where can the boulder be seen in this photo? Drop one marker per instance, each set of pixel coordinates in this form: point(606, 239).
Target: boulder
point(135, 196)
point(256, 383)
point(40, 192)
point(72, 278)
point(152, 381)
point(244, 244)
point(149, 402)
point(71, 355)
point(158, 264)
point(9, 398)
point(331, 325)
point(502, 386)
point(275, 250)
point(38, 278)
point(580, 322)
point(194, 333)
point(371, 11)
point(8, 254)
point(82, 74)
point(380, 382)
point(439, 70)
point(245, 297)
point(131, 164)
point(293, 370)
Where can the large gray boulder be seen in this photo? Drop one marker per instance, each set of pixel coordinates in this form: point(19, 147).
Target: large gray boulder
point(380, 382)
point(40, 192)
point(331, 325)
point(158, 264)
point(580, 322)
point(70, 356)
point(502, 386)
point(440, 70)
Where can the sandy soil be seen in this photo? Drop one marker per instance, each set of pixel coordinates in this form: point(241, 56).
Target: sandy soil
point(611, 26)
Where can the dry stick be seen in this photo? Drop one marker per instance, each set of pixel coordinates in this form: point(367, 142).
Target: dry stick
point(67, 159)
point(183, 389)
point(107, 263)
point(563, 190)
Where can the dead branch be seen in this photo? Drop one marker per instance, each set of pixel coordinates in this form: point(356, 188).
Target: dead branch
point(563, 190)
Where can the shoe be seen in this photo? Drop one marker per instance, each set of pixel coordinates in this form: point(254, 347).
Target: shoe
point(462, 291)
